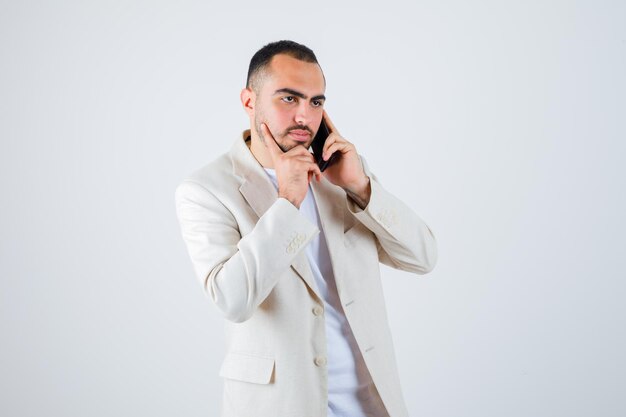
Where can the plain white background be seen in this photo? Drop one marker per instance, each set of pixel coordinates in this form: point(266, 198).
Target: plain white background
point(502, 124)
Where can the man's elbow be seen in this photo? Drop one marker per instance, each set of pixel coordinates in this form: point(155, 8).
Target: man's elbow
point(431, 254)
point(427, 259)
point(237, 316)
point(233, 310)
point(233, 304)
point(429, 265)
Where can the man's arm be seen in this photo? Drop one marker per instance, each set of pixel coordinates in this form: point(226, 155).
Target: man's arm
point(404, 241)
point(236, 272)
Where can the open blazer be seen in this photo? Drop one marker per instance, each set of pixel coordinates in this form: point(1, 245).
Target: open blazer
point(247, 247)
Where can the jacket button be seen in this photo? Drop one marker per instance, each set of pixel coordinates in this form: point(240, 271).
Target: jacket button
point(317, 310)
point(320, 361)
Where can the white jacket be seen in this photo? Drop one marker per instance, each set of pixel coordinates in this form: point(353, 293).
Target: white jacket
point(247, 249)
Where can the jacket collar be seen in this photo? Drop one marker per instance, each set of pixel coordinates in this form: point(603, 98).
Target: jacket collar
point(256, 186)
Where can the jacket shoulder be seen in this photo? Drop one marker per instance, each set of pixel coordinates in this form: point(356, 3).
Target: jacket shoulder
point(215, 176)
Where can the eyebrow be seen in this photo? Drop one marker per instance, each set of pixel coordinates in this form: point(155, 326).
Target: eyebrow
point(299, 94)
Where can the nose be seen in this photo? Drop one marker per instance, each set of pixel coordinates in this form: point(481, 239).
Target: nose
point(303, 113)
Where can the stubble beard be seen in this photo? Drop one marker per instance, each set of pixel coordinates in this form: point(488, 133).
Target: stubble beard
point(259, 117)
point(257, 123)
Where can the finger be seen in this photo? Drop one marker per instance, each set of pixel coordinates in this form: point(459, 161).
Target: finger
point(343, 147)
point(329, 141)
point(314, 169)
point(329, 123)
point(304, 159)
point(317, 173)
point(270, 142)
point(299, 151)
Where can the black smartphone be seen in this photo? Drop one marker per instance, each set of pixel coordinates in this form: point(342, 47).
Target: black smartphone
point(318, 147)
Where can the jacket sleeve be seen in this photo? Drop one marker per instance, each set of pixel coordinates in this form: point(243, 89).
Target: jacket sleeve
point(237, 272)
point(403, 239)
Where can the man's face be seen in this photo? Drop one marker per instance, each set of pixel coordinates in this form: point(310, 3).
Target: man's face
point(291, 101)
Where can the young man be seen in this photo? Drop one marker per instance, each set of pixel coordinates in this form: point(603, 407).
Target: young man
point(290, 255)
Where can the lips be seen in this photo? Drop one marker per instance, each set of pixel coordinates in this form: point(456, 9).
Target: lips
point(300, 135)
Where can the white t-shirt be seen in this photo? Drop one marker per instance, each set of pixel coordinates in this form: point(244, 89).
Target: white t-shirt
point(351, 391)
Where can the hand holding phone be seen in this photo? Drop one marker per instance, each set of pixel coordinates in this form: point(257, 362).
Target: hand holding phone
point(347, 170)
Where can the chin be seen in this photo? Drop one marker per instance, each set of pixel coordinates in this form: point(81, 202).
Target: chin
point(292, 143)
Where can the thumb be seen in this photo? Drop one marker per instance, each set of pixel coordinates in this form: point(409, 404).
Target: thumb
point(270, 142)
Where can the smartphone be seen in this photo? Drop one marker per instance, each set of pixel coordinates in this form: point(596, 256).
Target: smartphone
point(318, 147)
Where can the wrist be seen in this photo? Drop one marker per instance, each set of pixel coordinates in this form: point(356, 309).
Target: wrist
point(291, 200)
point(360, 193)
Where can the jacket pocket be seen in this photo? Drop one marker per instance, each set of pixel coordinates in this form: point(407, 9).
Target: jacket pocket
point(247, 367)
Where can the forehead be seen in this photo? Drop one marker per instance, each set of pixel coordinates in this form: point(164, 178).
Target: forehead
point(288, 72)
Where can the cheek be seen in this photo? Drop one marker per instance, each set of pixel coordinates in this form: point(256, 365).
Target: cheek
point(280, 113)
point(318, 119)
point(281, 119)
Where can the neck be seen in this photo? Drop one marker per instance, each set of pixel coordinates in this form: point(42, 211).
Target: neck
point(259, 150)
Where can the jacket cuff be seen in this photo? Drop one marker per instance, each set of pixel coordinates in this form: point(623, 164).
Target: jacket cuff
point(377, 216)
point(295, 230)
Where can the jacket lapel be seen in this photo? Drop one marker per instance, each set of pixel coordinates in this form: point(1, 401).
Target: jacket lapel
point(330, 200)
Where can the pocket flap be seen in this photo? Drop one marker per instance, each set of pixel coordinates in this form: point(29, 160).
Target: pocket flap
point(247, 367)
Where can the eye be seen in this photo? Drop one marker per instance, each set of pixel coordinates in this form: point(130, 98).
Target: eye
point(287, 99)
point(318, 103)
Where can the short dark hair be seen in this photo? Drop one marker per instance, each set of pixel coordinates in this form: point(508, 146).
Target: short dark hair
point(261, 59)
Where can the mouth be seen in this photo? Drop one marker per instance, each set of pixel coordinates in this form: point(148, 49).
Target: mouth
point(300, 135)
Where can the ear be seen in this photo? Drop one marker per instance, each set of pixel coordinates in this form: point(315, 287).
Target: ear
point(248, 100)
